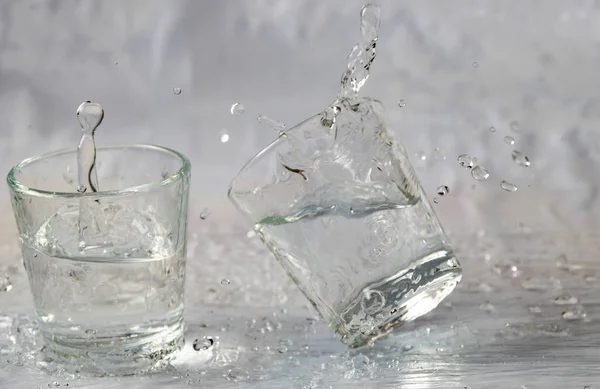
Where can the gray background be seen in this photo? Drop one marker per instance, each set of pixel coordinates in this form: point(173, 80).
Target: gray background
point(537, 64)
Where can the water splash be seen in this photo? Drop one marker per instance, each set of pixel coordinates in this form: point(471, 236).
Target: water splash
point(443, 190)
point(177, 91)
point(90, 116)
point(274, 124)
point(509, 140)
point(362, 55)
point(401, 103)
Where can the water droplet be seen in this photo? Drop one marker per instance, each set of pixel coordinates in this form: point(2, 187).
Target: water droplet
point(274, 124)
point(177, 91)
point(576, 314)
point(224, 136)
point(465, 161)
point(81, 189)
point(509, 140)
point(515, 126)
point(480, 173)
point(237, 109)
point(436, 200)
point(443, 190)
point(282, 349)
point(421, 155)
point(237, 374)
point(5, 284)
point(487, 307)
point(407, 347)
point(204, 214)
point(438, 153)
point(520, 159)
point(401, 103)
point(203, 344)
point(475, 64)
point(225, 281)
point(507, 186)
point(492, 129)
point(90, 116)
point(566, 300)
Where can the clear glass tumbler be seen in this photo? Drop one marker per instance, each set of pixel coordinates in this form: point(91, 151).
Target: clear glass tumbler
point(107, 268)
point(337, 202)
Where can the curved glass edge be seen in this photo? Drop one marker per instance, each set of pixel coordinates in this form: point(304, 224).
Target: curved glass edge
point(18, 187)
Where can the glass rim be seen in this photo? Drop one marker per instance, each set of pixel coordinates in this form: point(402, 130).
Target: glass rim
point(18, 187)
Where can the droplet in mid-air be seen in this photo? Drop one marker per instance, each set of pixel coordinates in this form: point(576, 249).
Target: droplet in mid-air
point(475, 64)
point(507, 186)
point(224, 136)
point(520, 159)
point(509, 140)
point(274, 124)
point(237, 109)
point(515, 126)
point(438, 153)
point(177, 91)
point(566, 300)
point(492, 129)
point(401, 103)
point(443, 190)
point(465, 161)
point(225, 281)
point(203, 344)
point(480, 173)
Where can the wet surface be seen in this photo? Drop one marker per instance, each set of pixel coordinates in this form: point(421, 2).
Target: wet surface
point(525, 316)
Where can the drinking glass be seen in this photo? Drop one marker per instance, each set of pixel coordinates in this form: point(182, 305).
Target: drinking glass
point(107, 268)
point(337, 202)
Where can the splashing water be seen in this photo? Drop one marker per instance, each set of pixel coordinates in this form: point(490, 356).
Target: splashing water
point(465, 161)
point(90, 116)
point(480, 173)
point(520, 159)
point(237, 109)
point(274, 124)
point(363, 54)
point(507, 186)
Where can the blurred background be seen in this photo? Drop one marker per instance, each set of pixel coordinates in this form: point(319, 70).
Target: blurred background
point(529, 69)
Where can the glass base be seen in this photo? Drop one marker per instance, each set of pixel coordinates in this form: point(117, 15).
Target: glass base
point(389, 303)
point(116, 356)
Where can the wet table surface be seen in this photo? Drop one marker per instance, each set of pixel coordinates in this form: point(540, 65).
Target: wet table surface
point(525, 316)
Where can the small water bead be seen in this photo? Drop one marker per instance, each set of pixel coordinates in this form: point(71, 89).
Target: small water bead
point(465, 161)
point(520, 159)
point(480, 173)
point(274, 124)
point(443, 190)
point(204, 214)
point(507, 186)
point(237, 109)
point(438, 153)
point(515, 126)
point(475, 64)
point(5, 284)
point(492, 129)
point(177, 91)
point(566, 300)
point(225, 281)
point(282, 349)
point(509, 140)
point(401, 103)
point(224, 136)
point(203, 344)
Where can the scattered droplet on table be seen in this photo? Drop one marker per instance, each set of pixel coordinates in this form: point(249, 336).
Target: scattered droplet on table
point(421, 155)
point(480, 173)
point(274, 124)
point(492, 129)
point(475, 64)
point(224, 136)
point(438, 153)
point(507, 186)
point(237, 109)
point(566, 300)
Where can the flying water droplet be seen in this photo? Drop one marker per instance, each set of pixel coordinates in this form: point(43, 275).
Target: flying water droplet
point(401, 103)
point(89, 115)
point(363, 54)
point(421, 155)
point(515, 126)
point(274, 124)
point(237, 109)
point(475, 64)
point(204, 214)
point(492, 129)
point(225, 281)
point(465, 161)
point(438, 153)
point(509, 140)
point(480, 173)
point(507, 186)
point(203, 344)
point(566, 300)
point(224, 136)
point(520, 159)
point(443, 190)
point(177, 91)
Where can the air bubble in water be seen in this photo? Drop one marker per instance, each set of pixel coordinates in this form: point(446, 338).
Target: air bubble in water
point(421, 155)
point(443, 190)
point(465, 161)
point(509, 140)
point(81, 189)
point(282, 349)
point(224, 136)
point(177, 91)
point(520, 159)
point(507, 186)
point(225, 281)
point(480, 173)
point(274, 124)
point(90, 116)
point(203, 344)
point(237, 109)
point(401, 103)
point(438, 153)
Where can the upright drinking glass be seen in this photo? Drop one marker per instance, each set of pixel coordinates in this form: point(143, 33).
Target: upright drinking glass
point(337, 202)
point(106, 268)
